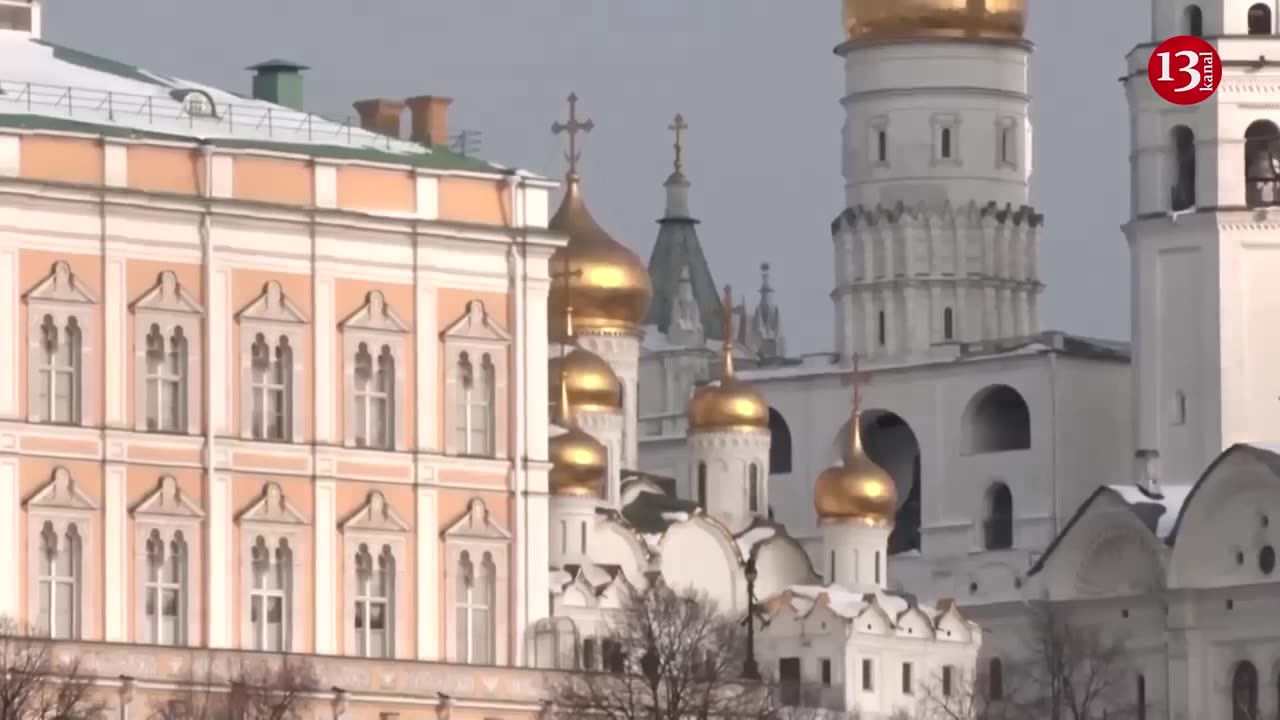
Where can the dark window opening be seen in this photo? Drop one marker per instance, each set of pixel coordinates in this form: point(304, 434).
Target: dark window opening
point(1244, 692)
point(867, 682)
point(1183, 193)
point(1259, 19)
point(1262, 164)
point(882, 146)
point(789, 679)
point(997, 420)
point(946, 681)
point(944, 143)
point(995, 679)
point(826, 672)
point(702, 485)
point(908, 687)
point(1142, 698)
point(998, 525)
point(753, 488)
point(1006, 145)
point(1193, 21)
point(881, 329)
point(948, 324)
point(779, 444)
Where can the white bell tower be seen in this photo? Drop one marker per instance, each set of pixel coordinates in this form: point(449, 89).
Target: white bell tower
point(1204, 241)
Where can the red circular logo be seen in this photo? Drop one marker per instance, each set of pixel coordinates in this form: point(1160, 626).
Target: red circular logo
point(1184, 70)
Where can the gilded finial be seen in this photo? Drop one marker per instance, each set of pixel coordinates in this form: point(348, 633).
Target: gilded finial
point(856, 380)
point(563, 418)
point(572, 127)
point(726, 319)
point(678, 127)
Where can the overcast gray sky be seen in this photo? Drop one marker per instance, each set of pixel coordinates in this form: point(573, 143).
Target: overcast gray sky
point(756, 80)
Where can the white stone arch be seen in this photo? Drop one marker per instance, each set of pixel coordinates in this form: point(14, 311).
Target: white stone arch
point(997, 418)
point(701, 553)
point(781, 562)
point(615, 543)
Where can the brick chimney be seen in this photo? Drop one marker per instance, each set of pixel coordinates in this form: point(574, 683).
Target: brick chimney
point(429, 119)
point(380, 115)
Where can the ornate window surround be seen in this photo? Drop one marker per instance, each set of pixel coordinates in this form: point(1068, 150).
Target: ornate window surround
point(1007, 149)
point(61, 295)
point(376, 524)
point(274, 315)
point(376, 324)
point(166, 509)
point(170, 306)
point(476, 334)
point(950, 122)
point(60, 502)
point(274, 518)
point(476, 533)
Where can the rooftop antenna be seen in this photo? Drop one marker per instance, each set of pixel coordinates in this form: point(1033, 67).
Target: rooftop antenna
point(466, 142)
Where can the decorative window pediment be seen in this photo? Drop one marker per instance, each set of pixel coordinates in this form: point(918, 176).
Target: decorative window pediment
point(475, 325)
point(375, 315)
point(272, 306)
point(168, 295)
point(61, 493)
point(272, 507)
point(375, 515)
point(475, 524)
point(61, 285)
point(167, 500)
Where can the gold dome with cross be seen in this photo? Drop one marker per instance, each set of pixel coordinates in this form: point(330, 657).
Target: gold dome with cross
point(857, 490)
point(727, 403)
point(579, 462)
point(905, 19)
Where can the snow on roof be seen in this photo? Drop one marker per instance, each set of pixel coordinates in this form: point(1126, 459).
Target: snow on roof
point(848, 603)
point(753, 536)
point(46, 86)
point(1174, 496)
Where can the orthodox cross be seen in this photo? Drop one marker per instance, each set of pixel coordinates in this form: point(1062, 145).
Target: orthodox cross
point(856, 380)
point(678, 126)
point(726, 319)
point(572, 127)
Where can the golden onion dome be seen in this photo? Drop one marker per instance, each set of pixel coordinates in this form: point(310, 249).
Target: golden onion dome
point(857, 490)
point(727, 403)
point(590, 384)
point(579, 462)
point(896, 19)
point(609, 285)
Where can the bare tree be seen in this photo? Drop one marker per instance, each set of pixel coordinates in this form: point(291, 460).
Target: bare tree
point(36, 685)
point(1073, 671)
point(964, 695)
point(248, 690)
point(668, 655)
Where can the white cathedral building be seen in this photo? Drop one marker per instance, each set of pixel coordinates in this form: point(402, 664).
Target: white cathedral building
point(1134, 483)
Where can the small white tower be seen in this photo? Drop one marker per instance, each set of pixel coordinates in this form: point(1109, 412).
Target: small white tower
point(937, 243)
point(577, 480)
point(1202, 236)
point(729, 442)
point(856, 501)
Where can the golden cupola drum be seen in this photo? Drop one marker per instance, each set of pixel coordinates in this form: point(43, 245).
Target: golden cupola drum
point(905, 19)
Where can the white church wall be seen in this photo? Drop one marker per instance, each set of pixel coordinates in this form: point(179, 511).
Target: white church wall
point(615, 545)
point(780, 564)
point(699, 553)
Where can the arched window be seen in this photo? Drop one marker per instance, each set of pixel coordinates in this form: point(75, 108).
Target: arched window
point(1183, 192)
point(948, 324)
point(779, 444)
point(555, 645)
point(272, 388)
point(375, 593)
point(882, 146)
point(165, 587)
point(753, 488)
point(997, 420)
point(475, 609)
point(58, 388)
point(475, 409)
point(1193, 21)
point(374, 397)
point(702, 485)
point(944, 144)
point(59, 582)
point(1261, 163)
point(995, 679)
point(1142, 698)
point(166, 380)
point(1259, 19)
point(997, 528)
point(270, 598)
point(1244, 692)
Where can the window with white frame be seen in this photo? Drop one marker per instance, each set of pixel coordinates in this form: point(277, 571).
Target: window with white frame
point(60, 531)
point(1007, 143)
point(374, 341)
point(167, 339)
point(474, 412)
point(477, 352)
point(167, 541)
point(374, 603)
point(271, 530)
point(474, 607)
point(164, 594)
point(374, 537)
point(60, 319)
point(878, 141)
point(477, 587)
point(58, 613)
point(946, 139)
point(271, 594)
point(271, 340)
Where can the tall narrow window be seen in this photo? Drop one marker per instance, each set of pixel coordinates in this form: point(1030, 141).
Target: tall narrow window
point(583, 537)
point(880, 329)
point(944, 144)
point(1006, 146)
point(877, 568)
point(375, 397)
point(166, 380)
point(868, 683)
point(882, 146)
point(272, 378)
point(702, 485)
point(753, 488)
point(995, 679)
point(908, 685)
point(946, 680)
point(475, 601)
point(58, 396)
point(948, 324)
point(998, 525)
point(1261, 160)
point(1193, 21)
point(1142, 698)
point(59, 581)
point(1179, 413)
point(271, 595)
point(165, 588)
point(1183, 192)
point(1244, 692)
point(375, 586)
point(1259, 19)
point(475, 405)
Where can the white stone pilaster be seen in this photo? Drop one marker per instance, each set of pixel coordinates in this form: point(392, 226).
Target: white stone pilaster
point(115, 590)
point(326, 587)
point(115, 309)
point(10, 155)
point(427, 354)
point(536, 360)
point(223, 176)
point(537, 534)
point(115, 164)
point(10, 565)
point(325, 328)
point(219, 351)
point(221, 570)
point(427, 554)
point(9, 303)
point(427, 197)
